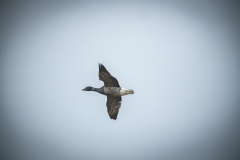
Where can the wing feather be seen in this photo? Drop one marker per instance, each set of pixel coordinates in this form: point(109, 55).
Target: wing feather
point(107, 78)
point(113, 105)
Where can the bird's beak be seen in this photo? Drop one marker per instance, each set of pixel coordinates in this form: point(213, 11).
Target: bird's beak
point(83, 89)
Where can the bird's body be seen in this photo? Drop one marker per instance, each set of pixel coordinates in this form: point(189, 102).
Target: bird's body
point(116, 91)
point(112, 90)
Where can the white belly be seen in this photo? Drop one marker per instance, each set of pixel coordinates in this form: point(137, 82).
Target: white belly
point(123, 91)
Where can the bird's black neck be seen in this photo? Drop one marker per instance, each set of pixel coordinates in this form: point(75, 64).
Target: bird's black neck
point(99, 90)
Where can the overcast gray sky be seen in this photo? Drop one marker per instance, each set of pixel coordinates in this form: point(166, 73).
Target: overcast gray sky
point(181, 59)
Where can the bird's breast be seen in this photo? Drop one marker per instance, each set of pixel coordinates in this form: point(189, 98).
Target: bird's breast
point(112, 91)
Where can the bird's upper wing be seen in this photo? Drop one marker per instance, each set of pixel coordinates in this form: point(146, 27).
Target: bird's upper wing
point(113, 105)
point(107, 78)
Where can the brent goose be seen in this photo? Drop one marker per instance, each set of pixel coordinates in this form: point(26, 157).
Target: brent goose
point(112, 90)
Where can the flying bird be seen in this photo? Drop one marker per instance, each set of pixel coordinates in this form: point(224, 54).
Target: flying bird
point(112, 90)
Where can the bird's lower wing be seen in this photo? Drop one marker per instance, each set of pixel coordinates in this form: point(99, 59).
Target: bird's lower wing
point(113, 105)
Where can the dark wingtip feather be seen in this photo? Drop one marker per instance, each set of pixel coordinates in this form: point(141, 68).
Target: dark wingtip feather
point(102, 68)
point(114, 118)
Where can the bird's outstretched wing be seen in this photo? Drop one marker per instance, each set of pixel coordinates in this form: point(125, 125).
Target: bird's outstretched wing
point(113, 105)
point(106, 77)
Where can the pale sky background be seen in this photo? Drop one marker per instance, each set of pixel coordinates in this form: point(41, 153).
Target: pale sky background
point(180, 58)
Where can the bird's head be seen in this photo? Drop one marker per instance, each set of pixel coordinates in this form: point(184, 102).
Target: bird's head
point(88, 88)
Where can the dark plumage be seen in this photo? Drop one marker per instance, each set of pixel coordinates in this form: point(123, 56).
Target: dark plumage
point(112, 90)
point(113, 105)
point(107, 78)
